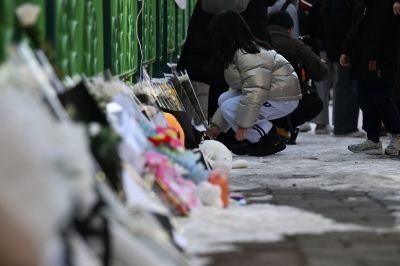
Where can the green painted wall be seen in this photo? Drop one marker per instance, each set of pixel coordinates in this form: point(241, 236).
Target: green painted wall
point(6, 25)
point(124, 41)
point(81, 30)
point(93, 39)
point(149, 31)
point(171, 24)
point(161, 27)
point(70, 36)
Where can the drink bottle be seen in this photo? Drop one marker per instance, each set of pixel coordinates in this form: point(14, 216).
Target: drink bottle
point(219, 176)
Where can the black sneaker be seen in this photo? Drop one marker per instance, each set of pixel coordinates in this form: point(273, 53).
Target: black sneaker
point(240, 147)
point(267, 145)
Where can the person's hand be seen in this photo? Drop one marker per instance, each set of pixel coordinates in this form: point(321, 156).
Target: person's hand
point(345, 60)
point(213, 132)
point(241, 133)
point(322, 60)
point(396, 8)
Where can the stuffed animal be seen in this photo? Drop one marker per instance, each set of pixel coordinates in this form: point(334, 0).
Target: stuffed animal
point(209, 194)
point(215, 152)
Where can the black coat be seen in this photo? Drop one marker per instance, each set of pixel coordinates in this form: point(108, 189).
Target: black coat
point(197, 50)
point(256, 17)
point(396, 91)
point(338, 18)
point(372, 42)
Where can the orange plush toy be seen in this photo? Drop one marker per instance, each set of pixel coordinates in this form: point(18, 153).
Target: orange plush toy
point(175, 124)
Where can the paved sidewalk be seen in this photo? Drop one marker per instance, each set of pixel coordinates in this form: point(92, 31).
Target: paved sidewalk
point(314, 204)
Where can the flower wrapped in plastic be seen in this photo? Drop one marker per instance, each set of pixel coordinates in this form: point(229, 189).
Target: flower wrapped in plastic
point(179, 191)
point(165, 140)
point(165, 90)
point(190, 93)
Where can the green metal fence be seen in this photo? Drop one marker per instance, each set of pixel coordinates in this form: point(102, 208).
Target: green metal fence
point(69, 35)
point(6, 25)
point(92, 35)
point(9, 25)
point(171, 32)
point(149, 31)
point(180, 27)
point(124, 41)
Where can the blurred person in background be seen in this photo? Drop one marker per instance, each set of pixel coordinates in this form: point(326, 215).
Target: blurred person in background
point(372, 52)
point(338, 19)
point(196, 53)
point(315, 27)
point(296, 52)
point(291, 7)
point(396, 93)
point(302, 15)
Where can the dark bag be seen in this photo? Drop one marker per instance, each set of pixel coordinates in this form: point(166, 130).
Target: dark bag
point(311, 104)
point(308, 88)
point(306, 85)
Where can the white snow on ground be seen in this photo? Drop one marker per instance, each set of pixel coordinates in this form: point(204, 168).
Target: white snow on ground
point(265, 197)
point(317, 161)
point(212, 230)
point(323, 158)
point(328, 164)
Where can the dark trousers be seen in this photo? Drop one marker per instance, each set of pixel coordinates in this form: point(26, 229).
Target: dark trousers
point(213, 96)
point(345, 109)
point(309, 107)
point(375, 100)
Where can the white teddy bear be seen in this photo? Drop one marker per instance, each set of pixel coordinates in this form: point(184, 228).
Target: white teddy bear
point(215, 153)
point(209, 194)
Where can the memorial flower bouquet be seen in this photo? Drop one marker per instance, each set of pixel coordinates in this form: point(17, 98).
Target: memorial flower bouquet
point(183, 78)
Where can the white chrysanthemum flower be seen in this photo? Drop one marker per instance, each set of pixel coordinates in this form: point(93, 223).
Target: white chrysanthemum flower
point(27, 14)
point(94, 129)
point(183, 78)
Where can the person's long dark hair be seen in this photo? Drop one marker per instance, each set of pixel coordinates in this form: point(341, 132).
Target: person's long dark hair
point(229, 33)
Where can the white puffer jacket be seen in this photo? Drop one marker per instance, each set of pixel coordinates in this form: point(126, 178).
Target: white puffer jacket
point(260, 77)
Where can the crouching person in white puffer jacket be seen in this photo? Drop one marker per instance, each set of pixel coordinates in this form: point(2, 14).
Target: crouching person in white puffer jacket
point(263, 86)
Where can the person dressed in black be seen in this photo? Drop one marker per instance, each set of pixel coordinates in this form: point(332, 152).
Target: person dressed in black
point(338, 19)
point(198, 49)
point(371, 50)
point(396, 93)
point(316, 29)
